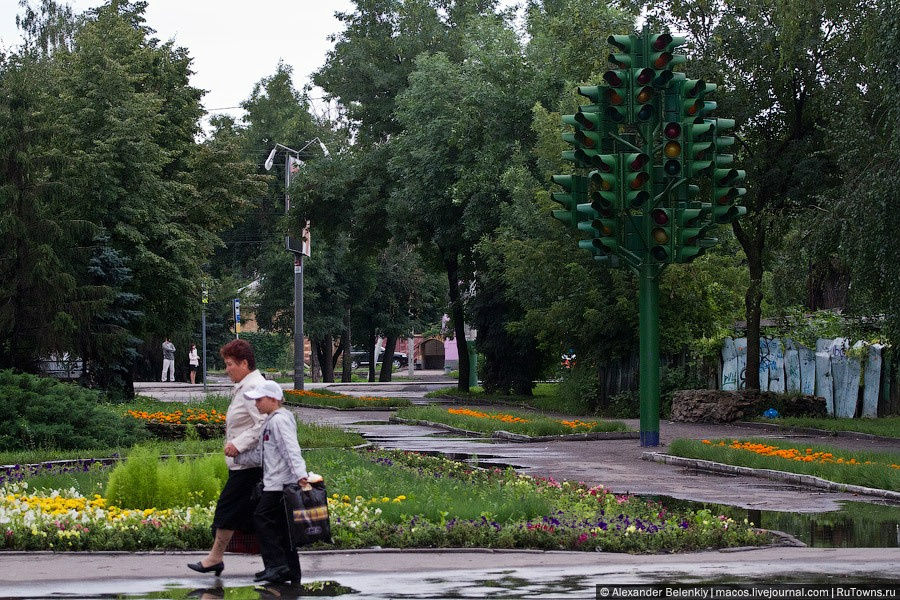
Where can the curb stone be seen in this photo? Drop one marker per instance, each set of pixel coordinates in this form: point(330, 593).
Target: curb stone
point(518, 437)
point(817, 432)
point(796, 478)
point(351, 409)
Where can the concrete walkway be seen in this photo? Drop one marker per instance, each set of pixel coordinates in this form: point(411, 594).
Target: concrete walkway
point(439, 574)
point(615, 464)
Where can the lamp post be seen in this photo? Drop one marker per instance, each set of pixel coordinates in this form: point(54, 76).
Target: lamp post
point(298, 251)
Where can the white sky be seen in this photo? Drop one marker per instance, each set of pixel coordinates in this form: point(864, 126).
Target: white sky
point(233, 43)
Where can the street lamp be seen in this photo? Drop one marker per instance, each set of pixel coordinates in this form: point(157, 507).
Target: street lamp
point(297, 251)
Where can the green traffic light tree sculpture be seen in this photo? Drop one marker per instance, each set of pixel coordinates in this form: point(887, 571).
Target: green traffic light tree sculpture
point(642, 151)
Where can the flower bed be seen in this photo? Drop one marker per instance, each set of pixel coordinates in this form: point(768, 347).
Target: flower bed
point(330, 399)
point(515, 422)
point(410, 500)
point(869, 469)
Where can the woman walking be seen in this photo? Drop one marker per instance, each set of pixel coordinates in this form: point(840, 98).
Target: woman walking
point(242, 426)
point(279, 452)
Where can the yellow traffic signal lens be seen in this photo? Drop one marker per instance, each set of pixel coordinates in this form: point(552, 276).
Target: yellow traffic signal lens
point(606, 186)
point(645, 95)
point(614, 98)
point(672, 150)
point(660, 236)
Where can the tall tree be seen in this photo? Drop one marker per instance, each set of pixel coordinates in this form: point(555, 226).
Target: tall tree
point(768, 58)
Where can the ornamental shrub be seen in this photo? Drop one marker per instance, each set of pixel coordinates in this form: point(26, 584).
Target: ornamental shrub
point(46, 414)
point(144, 481)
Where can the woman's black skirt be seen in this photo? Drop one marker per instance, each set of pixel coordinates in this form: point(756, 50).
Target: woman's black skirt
point(235, 509)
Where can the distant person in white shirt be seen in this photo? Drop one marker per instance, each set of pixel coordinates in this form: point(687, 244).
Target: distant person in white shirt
point(194, 361)
point(168, 349)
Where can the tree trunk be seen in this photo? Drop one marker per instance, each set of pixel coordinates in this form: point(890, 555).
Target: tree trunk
point(346, 369)
point(370, 349)
point(753, 244)
point(326, 347)
point(314, 360)
point(387, 359)
point(457, 313)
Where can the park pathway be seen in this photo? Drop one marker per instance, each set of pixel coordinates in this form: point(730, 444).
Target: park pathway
point(616, 464)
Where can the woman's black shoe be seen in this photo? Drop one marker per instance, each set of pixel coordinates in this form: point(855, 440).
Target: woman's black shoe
point(198, 566)
point(278, 574)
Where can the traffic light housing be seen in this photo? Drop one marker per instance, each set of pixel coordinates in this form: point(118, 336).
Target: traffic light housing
point(576, 193)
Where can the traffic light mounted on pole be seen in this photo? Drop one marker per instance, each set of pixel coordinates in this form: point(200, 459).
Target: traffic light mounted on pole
point(648, 145)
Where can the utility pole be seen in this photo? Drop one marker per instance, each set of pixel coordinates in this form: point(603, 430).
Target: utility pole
point(204, 302)
point(298, 251)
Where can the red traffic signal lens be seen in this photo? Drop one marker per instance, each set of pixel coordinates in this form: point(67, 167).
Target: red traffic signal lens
point(662, 60)
point(672, 167)
point(659, 217)
point(672, 149)
point(645, 76)
point(638, 163)
point(639, 180)
point(662, 42)
point(693, 108)
point(672, 130)
point(612, 78)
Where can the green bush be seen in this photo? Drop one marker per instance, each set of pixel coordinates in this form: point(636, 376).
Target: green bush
point(579, 392)
point(272, 350)
point(144, 481)
point(43, 413)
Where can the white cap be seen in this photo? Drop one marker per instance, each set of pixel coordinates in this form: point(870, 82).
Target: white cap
point(269, 389)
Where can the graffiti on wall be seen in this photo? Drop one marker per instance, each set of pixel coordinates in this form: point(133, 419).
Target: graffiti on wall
point(830, 370)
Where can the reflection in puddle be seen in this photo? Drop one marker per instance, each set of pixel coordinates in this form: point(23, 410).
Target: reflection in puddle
point(855, 525)
point(259, 592)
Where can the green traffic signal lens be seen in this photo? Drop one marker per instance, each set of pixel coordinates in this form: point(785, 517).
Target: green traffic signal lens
point(672, 167)
point(672, 130)
point(659, 253)
point(645, 113)
point(672, 149)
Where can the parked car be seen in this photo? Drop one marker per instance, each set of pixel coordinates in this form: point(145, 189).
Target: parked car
point(360, 358)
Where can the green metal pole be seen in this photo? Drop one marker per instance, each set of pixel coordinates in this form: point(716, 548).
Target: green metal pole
point(473, 363)
point(649, 358)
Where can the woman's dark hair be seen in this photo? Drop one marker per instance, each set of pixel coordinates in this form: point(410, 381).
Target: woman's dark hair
point(239, 350)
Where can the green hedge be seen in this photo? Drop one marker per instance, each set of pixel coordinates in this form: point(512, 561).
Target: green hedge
point(272, 350)
point(43, 413)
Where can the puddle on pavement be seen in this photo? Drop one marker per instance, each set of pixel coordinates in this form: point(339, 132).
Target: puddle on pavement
point(855, 525)
point(371, 423)
point(321, 589)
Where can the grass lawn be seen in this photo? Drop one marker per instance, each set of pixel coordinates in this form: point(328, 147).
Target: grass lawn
point(327, 398)
point(377, 498)
point(870, 469)
point(543, 398)
point(525, 423)
point(884, 426)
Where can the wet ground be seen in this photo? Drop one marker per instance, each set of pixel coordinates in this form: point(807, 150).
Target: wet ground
point(492, 574)
point(429, 574)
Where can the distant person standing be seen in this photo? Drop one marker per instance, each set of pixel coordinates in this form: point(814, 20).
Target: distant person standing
point(194, 361)
point(168, 349)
